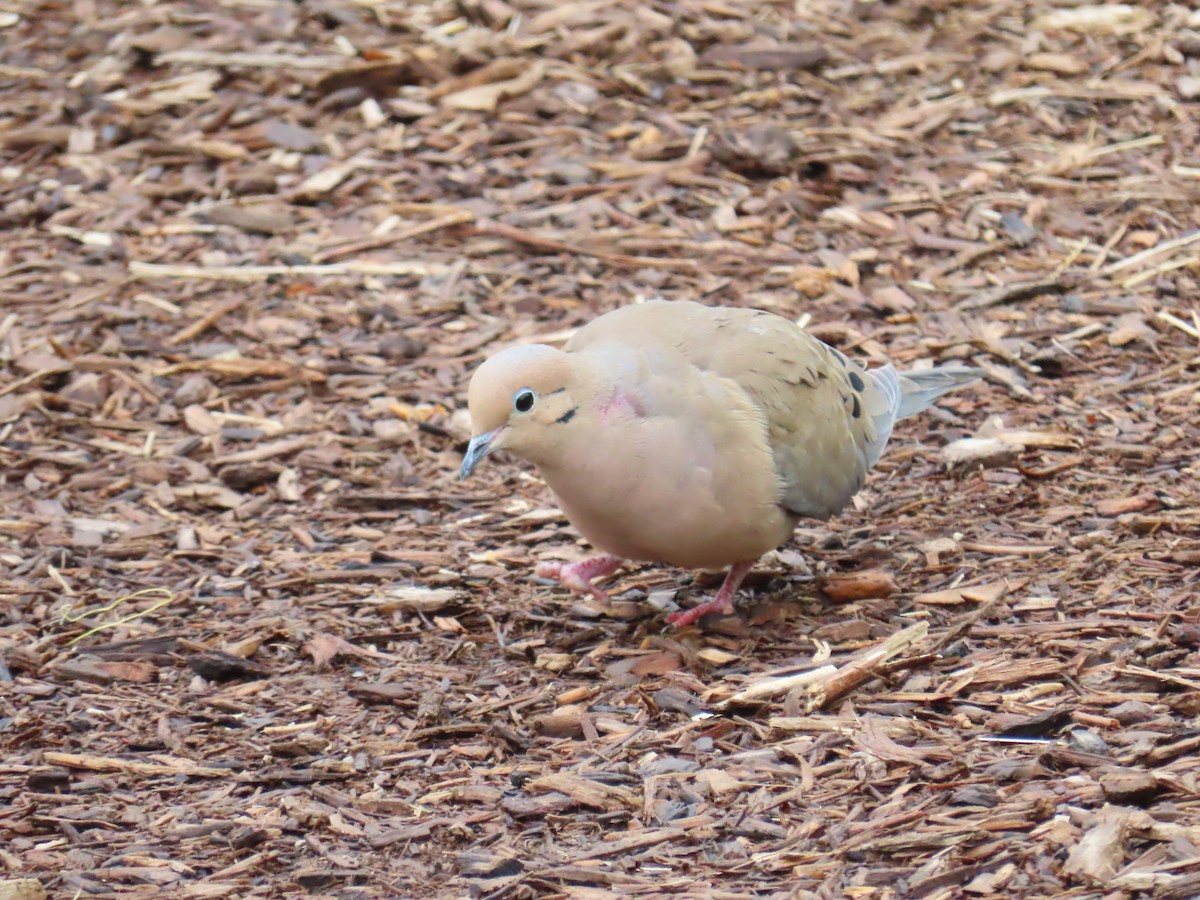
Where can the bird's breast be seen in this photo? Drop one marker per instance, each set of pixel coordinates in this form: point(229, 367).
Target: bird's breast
point(663, 489)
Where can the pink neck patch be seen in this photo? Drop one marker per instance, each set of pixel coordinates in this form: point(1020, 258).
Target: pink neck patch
point(620, 404)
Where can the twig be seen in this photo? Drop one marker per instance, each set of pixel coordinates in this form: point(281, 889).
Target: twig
point(1007, 549)
point(1161, 269)
point(497, 229)
point(965, 256)
point(29, 379)
point(1152, 378)
point(1106, 248)
point(267, 451)
point(22, 72)
point(967, 622)
point(356, 245)
point(1069, 259)
point(202, 324)
point(1150, 252)
point(860, 670)
point(1018, 290)
point(252, 60)
point(261, 273)
point(1178, 323)
point(129, 766)
point(773, 687)
point(1076, 158)
point(1112, 91)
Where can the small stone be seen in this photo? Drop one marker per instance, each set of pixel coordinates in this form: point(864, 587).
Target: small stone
point(391, 429)
point(86, 388)
point(187, 540)
point(1188, 87)
point(569, 173)
point(400, 347)
point(150, 472)
point(1087, 741)
point(200, 421)
point(577, 93)
point(195, 389)
point(1132, 712)
point(1187, 42)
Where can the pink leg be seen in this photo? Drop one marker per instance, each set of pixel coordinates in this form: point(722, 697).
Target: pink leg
point(578, 576)
point(722, 603)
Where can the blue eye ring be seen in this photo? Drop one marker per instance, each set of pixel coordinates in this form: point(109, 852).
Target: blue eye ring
point(524, 399)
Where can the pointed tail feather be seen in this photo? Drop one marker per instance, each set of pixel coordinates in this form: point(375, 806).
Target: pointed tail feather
point(891, 396)
point(919, 388)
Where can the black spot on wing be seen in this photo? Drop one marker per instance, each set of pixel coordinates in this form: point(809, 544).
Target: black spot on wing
point(569, 415)
point(856, 381)
point(795, 373)
point(856, 410)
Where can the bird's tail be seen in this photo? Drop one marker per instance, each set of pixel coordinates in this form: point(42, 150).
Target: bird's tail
point(920, 387)
point(893, 395)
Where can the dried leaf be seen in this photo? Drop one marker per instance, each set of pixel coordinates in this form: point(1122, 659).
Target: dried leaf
point(486, 97)
point(325, 648)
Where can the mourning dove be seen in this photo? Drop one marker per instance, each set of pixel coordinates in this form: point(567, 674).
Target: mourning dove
point(695, 436)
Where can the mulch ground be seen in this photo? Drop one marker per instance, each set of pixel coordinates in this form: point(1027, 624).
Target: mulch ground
point(257, 639)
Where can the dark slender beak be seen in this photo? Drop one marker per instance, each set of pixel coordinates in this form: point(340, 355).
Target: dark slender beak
point(480, 446)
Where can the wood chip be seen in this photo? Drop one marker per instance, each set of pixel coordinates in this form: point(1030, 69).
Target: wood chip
point(252, 252)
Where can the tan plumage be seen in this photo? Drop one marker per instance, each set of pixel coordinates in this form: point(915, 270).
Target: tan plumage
point(690, 435)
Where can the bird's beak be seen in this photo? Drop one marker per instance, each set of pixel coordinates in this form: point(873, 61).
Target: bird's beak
point(480, 446)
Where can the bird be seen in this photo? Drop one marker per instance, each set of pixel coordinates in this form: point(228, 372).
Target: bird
point(694, 436)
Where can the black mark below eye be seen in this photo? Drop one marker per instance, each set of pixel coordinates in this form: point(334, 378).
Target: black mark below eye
point(567, 416)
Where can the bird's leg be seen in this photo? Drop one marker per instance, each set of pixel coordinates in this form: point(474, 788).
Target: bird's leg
point(577, 576)
point(721, 603)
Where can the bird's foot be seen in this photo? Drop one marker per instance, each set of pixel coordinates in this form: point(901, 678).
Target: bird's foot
point(722, 603)
point(686, 617)
point(577, 576)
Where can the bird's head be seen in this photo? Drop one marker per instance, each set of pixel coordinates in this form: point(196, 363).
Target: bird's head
point(521, 400)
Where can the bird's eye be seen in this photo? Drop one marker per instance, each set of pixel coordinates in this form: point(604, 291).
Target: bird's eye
point(523, 400)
